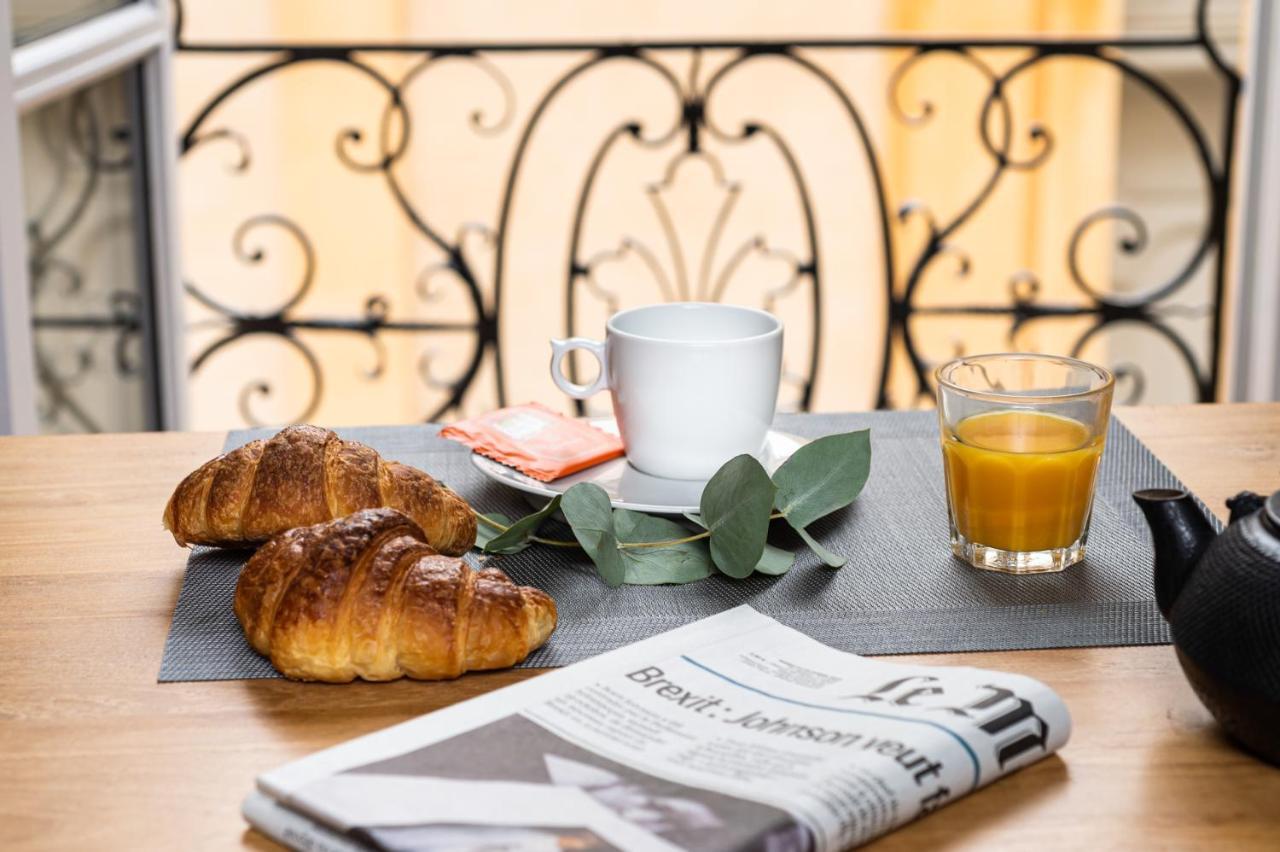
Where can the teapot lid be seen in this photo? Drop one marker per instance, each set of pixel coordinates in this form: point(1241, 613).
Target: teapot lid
point(1271, 513)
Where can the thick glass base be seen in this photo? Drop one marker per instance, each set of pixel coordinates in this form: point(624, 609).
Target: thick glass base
point(1017, 562)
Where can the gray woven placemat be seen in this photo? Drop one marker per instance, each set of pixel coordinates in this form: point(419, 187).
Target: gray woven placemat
point(901, 592)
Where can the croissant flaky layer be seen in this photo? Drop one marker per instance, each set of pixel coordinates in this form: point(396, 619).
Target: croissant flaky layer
point(306, 475)
point(366, 597)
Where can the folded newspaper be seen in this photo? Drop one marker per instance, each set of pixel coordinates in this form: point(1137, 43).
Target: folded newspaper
point(734, 732)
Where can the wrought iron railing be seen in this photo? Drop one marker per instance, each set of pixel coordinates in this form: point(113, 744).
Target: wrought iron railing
point(100, 324)
point(693, 132)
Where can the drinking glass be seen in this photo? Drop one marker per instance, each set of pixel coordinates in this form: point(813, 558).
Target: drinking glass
point(1022, 436)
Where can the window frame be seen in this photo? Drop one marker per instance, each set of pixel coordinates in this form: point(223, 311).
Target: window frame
point(1255, 314)
point(138, 35)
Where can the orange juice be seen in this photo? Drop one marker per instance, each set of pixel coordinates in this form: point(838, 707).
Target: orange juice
point(1021, 480)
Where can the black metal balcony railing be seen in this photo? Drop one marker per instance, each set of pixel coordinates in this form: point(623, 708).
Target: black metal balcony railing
point(693, 132)
point(85, 320)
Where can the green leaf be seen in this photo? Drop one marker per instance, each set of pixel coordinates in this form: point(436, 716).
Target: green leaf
point(735, 506)
point(517, 536)
point(834, 560)
point(486, 533)
point(774, 560)
point(823, 476)
point(819, 478)
point(686, 562)
point(586, 507)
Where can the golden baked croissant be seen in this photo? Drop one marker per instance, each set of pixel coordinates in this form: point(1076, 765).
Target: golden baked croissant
point(365, 596)
point(305, 475)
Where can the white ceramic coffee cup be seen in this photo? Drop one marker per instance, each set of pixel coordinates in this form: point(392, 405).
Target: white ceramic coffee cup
point(693, 383)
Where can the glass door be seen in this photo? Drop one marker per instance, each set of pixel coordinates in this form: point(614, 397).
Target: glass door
point(88, 289)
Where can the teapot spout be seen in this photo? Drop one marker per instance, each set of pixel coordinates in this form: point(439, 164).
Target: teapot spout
point(1181, 534)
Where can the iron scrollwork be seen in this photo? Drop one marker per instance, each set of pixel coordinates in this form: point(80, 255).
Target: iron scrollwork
point(84, 150)
point(693, 134)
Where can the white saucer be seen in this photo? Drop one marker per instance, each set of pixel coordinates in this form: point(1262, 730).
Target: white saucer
point(627, 487)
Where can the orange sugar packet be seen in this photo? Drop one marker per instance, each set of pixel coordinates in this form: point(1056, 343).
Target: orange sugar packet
point(536, 441)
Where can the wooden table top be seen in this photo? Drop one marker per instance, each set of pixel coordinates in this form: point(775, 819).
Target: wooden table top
point(95, 754)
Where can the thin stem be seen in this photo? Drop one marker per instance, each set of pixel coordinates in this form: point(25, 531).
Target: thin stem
point(628, 545)
point(555, 542)
point(622, 545)
point(551, 542)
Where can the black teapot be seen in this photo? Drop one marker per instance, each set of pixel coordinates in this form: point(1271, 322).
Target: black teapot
point(1221, 596)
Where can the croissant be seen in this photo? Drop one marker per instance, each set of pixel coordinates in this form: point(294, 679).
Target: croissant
point(365, 596)
point(305, 475)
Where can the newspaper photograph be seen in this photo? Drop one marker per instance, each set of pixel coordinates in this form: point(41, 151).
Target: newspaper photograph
point(734, 732)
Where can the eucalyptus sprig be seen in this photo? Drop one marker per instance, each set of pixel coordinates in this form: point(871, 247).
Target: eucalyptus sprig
point(732, 524)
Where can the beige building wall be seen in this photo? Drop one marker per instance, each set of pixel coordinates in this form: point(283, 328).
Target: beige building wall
point(454, 175)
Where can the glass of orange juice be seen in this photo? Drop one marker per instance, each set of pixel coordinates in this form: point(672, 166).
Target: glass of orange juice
point(1021, 439)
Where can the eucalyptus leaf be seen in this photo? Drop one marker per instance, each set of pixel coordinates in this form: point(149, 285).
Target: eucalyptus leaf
point(686, 562)
point(774, 560)
point(516, 538)
point(486, 533)
point(833, 560)
point(823, 476)
point(630, 547)
point(634, 527)
point(735, 506)
point(586, 507)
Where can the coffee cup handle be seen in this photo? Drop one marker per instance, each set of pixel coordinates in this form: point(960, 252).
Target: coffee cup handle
point(561, 348)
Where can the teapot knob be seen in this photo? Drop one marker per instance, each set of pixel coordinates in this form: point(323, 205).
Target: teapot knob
point(1244, 504)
